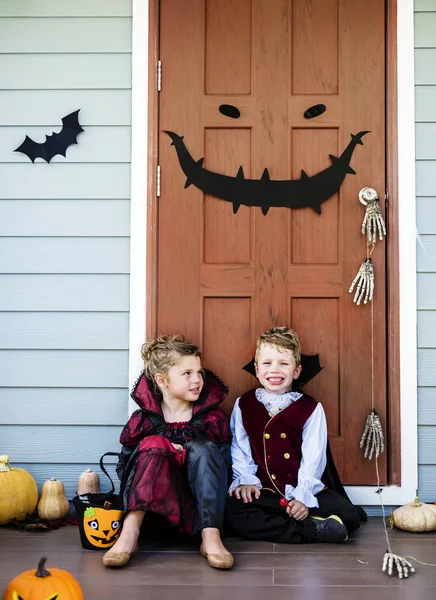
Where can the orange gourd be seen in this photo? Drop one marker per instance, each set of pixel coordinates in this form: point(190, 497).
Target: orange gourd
point(88, 483)
point(44, 585)
point(53, 503)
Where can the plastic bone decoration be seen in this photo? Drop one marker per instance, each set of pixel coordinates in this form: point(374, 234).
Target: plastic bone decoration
point(365, 282)
point(372, 436)
point(402, 565)
point(373, 221)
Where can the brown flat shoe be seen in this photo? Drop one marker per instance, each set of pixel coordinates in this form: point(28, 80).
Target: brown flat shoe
point(218, 561)
point(118, 559)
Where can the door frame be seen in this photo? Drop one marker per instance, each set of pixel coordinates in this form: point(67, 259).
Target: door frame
point(401, 246)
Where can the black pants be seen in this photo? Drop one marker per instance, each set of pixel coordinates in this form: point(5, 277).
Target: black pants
point(265, 519)
point(208, 469)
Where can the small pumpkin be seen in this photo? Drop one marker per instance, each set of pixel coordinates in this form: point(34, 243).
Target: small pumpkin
point(53, 504)
point(415, 516)
point(88, 483)
point(41, 584)
point(18, 492)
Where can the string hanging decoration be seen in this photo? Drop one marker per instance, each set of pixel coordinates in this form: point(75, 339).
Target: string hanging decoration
point(373, 225)
point(372, 440)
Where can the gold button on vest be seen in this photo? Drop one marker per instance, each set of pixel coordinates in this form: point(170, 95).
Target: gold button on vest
point(273, 476)
point(267, 436)
point(287, 455)
point(283, 435)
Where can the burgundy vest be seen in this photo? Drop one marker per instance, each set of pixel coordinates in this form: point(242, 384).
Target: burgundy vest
point(276, 441)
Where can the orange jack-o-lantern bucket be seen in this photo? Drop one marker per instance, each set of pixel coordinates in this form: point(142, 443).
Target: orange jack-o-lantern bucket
point(99, 527)
point(99, 516)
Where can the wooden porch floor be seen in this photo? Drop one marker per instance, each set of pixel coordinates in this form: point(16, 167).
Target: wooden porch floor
point(175, 571)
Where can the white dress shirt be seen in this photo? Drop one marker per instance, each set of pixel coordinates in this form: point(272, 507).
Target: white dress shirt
point(313, 448)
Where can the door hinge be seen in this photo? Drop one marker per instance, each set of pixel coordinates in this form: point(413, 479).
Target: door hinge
point(159, 75)
point(386, 196)
point(158, 181)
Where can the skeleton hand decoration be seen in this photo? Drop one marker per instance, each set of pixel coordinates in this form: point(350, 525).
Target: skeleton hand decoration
point(403, 566)
point(365, 283)
point(373, 221)
point(373, 435)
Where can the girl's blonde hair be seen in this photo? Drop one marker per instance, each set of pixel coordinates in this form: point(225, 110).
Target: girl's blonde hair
point(162, 353)
point(282, 338)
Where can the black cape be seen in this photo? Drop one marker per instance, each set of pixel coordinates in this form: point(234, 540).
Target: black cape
point(310, 369)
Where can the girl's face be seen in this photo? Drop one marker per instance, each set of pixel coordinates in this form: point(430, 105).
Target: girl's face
point(276, 369)
point(183, 381)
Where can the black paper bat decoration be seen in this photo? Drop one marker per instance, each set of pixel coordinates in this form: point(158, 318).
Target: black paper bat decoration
point(56, 143)
point(266, 192)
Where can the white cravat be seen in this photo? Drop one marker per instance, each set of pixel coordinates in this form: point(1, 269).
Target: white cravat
point(274, 403)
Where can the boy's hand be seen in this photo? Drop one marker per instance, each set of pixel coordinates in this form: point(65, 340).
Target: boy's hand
point(178, 447)
point(244, 492)
point(297, 509)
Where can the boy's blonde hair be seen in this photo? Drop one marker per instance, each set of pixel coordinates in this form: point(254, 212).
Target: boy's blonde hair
point(165, 351)
point(283, 338)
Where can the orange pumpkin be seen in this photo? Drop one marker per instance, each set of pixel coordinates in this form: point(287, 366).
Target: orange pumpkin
point(44, 585)
point(102, 527)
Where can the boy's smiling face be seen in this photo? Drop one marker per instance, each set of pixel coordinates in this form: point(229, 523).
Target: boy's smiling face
point(276, 368)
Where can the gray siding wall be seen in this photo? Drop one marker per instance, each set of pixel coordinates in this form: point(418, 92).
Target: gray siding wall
point(425, 116)
point(64, 227)
point(64, 235)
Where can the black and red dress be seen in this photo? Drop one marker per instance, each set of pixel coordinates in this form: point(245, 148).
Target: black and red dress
point(188, 489)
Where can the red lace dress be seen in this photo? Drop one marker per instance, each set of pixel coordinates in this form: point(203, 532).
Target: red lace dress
point(160, 483)
point(158, 480)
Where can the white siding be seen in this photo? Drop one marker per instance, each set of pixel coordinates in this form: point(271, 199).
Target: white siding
point(425, 116)
point(64, 234)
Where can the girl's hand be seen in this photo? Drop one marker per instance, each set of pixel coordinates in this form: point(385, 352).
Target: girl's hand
point(297, 509)
point(178, 447)
point(244, 492)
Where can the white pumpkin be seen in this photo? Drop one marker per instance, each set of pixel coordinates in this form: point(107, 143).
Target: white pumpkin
point(415, 516)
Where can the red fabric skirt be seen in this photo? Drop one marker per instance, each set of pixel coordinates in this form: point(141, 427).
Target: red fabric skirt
point(160, 483)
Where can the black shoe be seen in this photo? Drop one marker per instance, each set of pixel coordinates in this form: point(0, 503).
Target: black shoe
point(330, 529)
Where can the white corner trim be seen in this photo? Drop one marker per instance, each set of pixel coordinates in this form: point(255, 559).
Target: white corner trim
point(407, 247)
point(138, 205)
point(365, 495)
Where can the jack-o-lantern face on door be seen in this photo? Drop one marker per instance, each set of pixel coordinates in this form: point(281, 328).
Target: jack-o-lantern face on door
point(102, 527)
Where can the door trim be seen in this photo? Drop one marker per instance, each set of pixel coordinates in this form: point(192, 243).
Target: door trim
point(401, 249)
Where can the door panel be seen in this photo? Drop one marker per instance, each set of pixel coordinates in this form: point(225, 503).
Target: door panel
point(223, 277)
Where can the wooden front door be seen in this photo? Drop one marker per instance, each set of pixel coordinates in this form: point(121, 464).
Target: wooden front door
point(222, 278)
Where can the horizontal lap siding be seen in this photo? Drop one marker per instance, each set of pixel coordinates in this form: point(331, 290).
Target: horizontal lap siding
point(425, 116)
point(64, 234)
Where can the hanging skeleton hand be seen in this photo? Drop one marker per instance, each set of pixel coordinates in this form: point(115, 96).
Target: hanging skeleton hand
point(365, 283)
point(402, 565)
point(373, 222)
point(373, 436)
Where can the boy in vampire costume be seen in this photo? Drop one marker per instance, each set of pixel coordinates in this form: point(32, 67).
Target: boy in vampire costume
point(285, 485)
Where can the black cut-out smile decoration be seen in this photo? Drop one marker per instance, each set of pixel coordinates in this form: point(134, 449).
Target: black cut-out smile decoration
point(265, 192)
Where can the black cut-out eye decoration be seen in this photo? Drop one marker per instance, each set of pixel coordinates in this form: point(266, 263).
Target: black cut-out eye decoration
point(314, 111)
point(228, 110)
